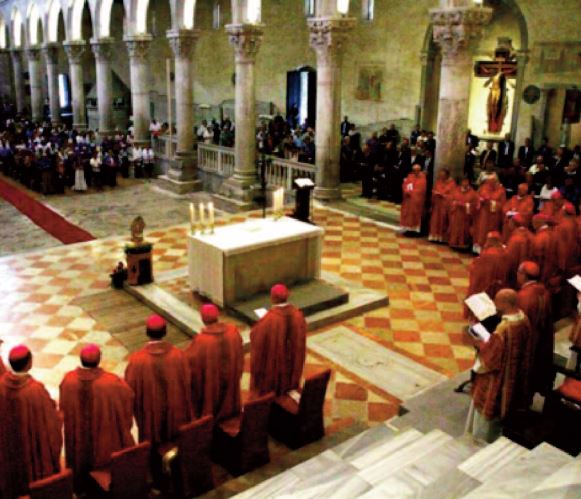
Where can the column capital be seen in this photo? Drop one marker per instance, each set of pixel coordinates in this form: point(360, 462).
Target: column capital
point(246, 40)
point(75, 51)
point(138, 46)
point(33, 53)
point(50, 52)
point(455, 28)
point(183, 42)
point(103, 48)
point(328, 35)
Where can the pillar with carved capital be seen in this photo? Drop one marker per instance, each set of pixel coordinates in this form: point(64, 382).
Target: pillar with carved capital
point(36, 104)
point(182, 174)
point(138, 48)
point(103, 50)
point(246, 40)
point(522, 59)
point(75, 51)
point(50, 51)
point(455, 29)
point(327, 37)
point(18, 79)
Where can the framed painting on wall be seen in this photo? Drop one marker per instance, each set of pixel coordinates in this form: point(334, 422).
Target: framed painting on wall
point(370, 82)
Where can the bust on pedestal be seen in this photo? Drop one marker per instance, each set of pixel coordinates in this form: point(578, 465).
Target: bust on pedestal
point(139, 256)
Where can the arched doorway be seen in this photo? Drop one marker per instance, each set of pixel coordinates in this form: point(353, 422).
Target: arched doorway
point(301, 95)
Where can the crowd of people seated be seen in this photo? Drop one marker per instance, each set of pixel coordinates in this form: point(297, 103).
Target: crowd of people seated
point(164, 388)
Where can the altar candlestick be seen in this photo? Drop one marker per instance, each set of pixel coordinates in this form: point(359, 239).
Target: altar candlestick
point(192, 217)
point(211, 214)
point(202, 216)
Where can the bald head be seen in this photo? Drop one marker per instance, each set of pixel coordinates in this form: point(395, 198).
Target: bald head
point(506, 301)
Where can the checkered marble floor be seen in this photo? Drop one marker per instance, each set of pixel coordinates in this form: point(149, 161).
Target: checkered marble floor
point(425, 284)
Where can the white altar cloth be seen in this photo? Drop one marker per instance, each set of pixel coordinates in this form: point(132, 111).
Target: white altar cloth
point(240, 260)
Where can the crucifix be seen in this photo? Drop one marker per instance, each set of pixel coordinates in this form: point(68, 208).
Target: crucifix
point(497, 74)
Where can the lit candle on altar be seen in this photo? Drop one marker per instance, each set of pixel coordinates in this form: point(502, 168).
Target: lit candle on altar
point(202, 216)
point(192, 217)
point(211, 214)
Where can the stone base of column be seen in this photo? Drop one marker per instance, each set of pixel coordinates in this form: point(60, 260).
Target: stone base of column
point(327, 194)
point(181, 177)
point(236, 195)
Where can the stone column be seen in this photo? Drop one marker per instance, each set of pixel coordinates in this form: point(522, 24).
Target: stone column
point(75, 52)
point(455, 28)
point(182, 174)
point(36, 104)
point(51, 54)
point(246, 40)
point(327, 38)
point(103, 50)
point(138, 47)
point(18, 80)
point(522, 59)
point(5, 75)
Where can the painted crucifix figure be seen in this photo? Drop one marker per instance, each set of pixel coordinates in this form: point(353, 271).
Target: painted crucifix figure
point(498, 74)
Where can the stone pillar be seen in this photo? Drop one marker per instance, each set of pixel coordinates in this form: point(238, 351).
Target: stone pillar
point(51, 56)
point(246, 40)
point(18, 80)
point(182, 174)
point(75, 52)
point(5, 75)
point(327, 38)
point(455, 28)
point(138, 47)
point(103, 50)
point(522, 59)
point(36, 104)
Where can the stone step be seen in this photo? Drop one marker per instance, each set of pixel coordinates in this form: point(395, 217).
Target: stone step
point(518, 477)
point(422, 472)
point(564, 483)
point(366, 459)
point(365, 442)
point(493, 458)
point(395, 461)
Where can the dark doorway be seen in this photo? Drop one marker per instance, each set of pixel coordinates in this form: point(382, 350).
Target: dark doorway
point(301, 96)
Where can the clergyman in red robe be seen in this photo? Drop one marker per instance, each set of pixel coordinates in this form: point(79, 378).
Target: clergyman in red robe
point(492, 198)
point(522, 204)
point(278, 346)
point(565, 235)
point(98, 411)
point(535, 301)
point(463, 208)
point(498, 388)
point(519, 247)
point(488, 271)
point(544, 252)
point(160, 378)
point(216, 360)
point(441, 199)
point(414, 196)
point(30, 428)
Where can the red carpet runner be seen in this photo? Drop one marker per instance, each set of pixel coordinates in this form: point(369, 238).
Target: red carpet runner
point(47, 219)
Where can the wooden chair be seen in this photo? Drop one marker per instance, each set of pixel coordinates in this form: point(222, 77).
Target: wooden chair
point(241, 443)
point(299, 423)
point(59, 486)
point(191, 468)
point(127, 474)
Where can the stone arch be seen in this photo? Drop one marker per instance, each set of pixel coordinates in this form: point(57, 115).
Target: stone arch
point(76, 19)
point(246, 11)
point(139, 16)
point(3, 33)
point(34, 24)
point(187, 15)
point(103, 14)
point(17, 28)
point(53, 18)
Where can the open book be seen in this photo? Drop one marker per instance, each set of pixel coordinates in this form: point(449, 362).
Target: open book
point(304, 182)
point(575, 282)
point(479, 332)
point(481, 305)
point(295, 395)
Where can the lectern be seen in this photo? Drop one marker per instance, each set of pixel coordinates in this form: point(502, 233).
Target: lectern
point(303, 187)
